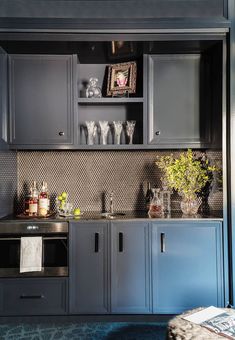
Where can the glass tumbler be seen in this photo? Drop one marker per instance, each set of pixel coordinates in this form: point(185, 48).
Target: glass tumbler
point(130, 128)
point(117, 131)
point(91, 131)
point(104, 129)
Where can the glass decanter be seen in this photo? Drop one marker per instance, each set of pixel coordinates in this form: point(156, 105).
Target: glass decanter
point(155, 208)
point(117, 131)
point(130, 128)
point(93, 90)
point(104, 129)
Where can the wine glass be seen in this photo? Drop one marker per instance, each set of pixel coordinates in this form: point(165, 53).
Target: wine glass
point(91, 131)
point(104, 129)
point(117, 131)
point(130, 128)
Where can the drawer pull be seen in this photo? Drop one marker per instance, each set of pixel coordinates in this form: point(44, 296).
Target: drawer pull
point(61, 133)
point(31, 296)
point(120, 242)
point(157, 133)
point(96, 242)
point(163, 243)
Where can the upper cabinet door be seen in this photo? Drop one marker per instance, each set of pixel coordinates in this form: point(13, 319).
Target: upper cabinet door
point(3, 99)
point(41, 99)
point(177, 104)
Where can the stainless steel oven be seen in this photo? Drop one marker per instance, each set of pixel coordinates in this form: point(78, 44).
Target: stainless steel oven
point(54, 247)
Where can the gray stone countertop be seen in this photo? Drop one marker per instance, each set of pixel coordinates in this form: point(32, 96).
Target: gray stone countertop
point(124, 215)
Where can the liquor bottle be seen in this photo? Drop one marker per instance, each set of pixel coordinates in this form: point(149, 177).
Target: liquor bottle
point(27, 199)
point(43, 200)
point(33, 201)
point(148, 196)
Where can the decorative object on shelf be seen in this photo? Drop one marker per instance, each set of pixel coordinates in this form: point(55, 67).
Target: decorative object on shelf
point(117, 131)
point(155, 207)
point(121, 49)
point(91, 131)
point(104, 129)
point(93, 90)
point(130, 128)
point(186, 175)
point(121, 79)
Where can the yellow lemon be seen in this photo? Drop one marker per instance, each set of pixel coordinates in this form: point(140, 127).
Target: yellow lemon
point(64, 195)
point(77, 212)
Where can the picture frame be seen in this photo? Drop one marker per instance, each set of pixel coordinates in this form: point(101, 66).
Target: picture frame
point(121, 79)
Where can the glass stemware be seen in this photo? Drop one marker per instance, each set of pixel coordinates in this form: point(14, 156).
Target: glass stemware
point(117, 131)
point(130, 128)
point(104, 129)
point(91, 131)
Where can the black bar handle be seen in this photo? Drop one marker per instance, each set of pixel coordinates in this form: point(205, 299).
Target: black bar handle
point(120, 242)
point(23, 296)
point(96, 242)
point(163, 243)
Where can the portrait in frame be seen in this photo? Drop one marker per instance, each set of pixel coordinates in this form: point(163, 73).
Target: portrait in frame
point(121, 78)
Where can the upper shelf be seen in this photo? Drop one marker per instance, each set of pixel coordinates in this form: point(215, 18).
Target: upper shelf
point(110, 100)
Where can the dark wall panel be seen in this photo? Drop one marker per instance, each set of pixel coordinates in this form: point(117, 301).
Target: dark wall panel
point(8, 181)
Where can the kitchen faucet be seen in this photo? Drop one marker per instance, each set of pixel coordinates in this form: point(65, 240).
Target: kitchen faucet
point(111, 202)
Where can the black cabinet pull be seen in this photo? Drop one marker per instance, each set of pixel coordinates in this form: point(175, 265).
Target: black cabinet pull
point(32, 296)
point(163, 244)
point(96, 242)
point(120, 242)
point(158, 133)
point(61, 133)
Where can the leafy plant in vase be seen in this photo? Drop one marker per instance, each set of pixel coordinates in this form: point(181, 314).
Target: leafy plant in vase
point(188, 176)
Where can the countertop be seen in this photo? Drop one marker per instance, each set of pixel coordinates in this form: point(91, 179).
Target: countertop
point(126, 215)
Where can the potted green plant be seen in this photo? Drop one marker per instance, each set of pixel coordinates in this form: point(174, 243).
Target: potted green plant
point(187, 175)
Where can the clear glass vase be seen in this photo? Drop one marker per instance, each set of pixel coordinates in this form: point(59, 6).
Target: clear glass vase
point(189, 205)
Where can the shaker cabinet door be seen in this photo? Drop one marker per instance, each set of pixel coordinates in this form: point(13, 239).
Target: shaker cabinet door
point(130, 276)
point(177, 104)
point(41, 99)
point(88, 268)
point(187, 266)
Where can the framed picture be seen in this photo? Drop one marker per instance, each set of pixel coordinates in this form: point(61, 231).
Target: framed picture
point(121, 49)
point(121, 78)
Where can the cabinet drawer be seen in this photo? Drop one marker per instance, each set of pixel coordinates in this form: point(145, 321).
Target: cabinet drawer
point(33, 296)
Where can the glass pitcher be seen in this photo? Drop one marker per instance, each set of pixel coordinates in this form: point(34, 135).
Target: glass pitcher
point(155, 208)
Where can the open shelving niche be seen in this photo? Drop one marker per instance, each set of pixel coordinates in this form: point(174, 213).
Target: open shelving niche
point(108, 108)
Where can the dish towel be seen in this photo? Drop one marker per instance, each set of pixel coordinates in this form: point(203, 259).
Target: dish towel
point(31, 254)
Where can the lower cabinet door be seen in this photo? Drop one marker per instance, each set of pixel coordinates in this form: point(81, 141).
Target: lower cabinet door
point(88, 268)
point(130, 281)
point(187, 265)
point(26, 296)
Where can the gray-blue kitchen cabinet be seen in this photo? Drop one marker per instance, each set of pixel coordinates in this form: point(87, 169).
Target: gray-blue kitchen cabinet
point(88, 263)
point(130, 267)
point(34, 296)
point(187, 265)
point(41, 100)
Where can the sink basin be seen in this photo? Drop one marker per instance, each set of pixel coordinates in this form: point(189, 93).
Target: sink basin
point(112, 215)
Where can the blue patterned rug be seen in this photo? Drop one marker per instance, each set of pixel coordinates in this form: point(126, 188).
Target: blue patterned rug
point(84, 331)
